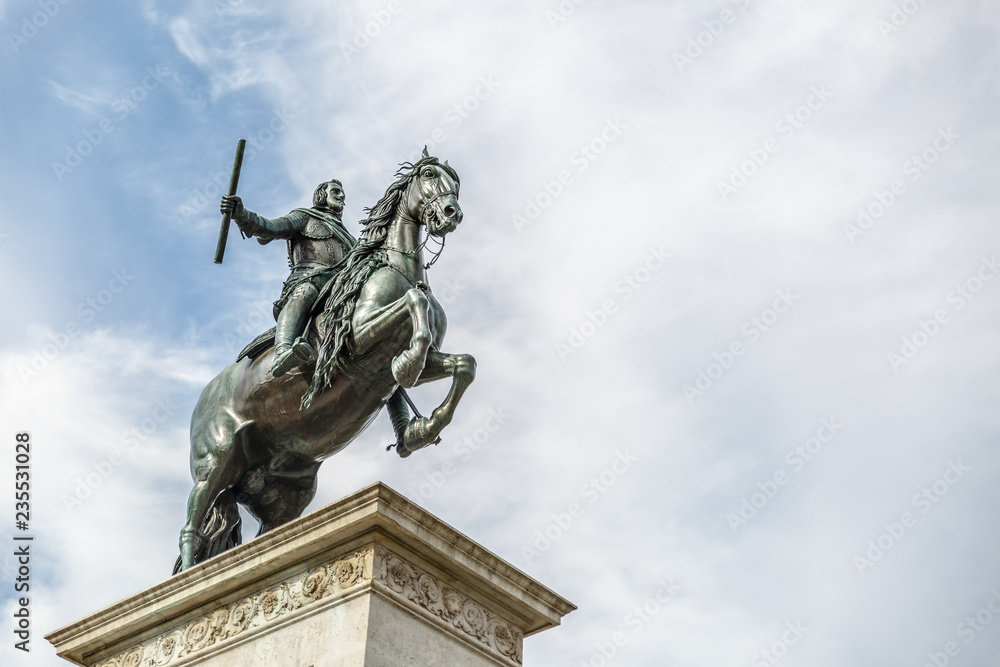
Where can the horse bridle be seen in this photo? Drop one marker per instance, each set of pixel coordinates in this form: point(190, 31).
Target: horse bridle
point(427, 204)
point(424, 213)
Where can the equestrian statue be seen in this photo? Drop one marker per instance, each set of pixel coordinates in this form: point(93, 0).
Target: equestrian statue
point(357, 325)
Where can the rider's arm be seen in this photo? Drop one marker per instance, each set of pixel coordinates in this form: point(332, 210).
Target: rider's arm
point(267, 230)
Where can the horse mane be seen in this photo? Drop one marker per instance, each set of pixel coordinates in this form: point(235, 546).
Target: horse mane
point(358, 267)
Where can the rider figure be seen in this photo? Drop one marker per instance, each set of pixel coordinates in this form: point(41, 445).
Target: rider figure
point(317, 242)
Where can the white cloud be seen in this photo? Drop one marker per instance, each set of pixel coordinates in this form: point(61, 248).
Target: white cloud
point(232, 63)
point(91, 102)
point(360, 108)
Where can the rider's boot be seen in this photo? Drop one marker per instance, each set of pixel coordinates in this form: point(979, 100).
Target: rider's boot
point(290, 348)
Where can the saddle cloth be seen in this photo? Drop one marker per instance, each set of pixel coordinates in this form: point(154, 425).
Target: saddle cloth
point(258, 345)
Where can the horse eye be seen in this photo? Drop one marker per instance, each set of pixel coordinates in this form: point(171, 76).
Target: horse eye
point(428, 173)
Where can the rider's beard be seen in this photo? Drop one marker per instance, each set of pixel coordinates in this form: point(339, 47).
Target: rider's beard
point(333, 211)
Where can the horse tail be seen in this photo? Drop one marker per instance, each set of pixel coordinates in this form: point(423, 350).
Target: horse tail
point(221, 531)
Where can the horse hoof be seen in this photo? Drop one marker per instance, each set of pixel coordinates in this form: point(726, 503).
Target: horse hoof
point(416, 436)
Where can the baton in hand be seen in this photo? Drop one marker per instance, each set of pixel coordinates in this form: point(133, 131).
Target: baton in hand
point(234, 180)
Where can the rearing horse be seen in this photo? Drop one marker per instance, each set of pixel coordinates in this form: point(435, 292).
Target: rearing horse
point(258, 440)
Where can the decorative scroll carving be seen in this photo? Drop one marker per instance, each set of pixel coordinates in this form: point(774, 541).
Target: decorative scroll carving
point(330, 579)
point(449, 605)
point(392, 574)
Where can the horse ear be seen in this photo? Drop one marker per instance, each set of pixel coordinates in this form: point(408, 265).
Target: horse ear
point(425, 154)
point(446, 163)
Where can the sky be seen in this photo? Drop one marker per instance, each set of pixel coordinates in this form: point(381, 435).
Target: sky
point(729, 271)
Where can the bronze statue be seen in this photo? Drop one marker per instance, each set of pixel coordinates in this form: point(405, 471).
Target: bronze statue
point(317, 243)
point(258, 438)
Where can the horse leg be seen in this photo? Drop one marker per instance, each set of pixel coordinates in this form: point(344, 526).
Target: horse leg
point(215, 468)
point(285, 497)
point(412, 307)
point(422, 431)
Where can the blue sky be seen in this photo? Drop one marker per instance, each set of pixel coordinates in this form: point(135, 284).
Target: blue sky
point(698, 237)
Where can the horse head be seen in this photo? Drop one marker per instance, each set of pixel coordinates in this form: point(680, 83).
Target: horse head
point(432, 196)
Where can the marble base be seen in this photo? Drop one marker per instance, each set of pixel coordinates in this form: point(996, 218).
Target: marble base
point(371, 580)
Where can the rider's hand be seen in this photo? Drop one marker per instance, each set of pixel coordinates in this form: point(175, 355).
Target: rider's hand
point(230, 204)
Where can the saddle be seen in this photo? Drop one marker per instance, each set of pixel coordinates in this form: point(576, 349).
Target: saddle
point(258, 345)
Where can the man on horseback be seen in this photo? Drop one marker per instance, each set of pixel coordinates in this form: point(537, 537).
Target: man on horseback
point(258, 443)
point(317, 244)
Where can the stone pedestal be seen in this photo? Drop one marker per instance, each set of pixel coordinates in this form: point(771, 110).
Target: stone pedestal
point(370, 580)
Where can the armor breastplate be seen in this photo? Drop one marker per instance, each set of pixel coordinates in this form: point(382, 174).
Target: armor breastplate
point(315, 243)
